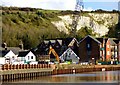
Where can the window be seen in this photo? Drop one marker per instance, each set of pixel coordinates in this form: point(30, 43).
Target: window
point(108, 52)
point(108, 46)
point(88, 45)
point(28, 57)
point(31, 57)
point(57, 46)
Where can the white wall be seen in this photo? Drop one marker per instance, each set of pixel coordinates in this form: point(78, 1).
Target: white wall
point(29, 56)
point(2, 60)
point(10, 55)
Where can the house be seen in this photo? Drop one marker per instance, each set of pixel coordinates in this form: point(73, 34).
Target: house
point(111, 50)
point(103, 48)
point(69, 55)
point(57, 46)
point(74, 45)
point(118, 49)
point(89, 49)
point(9, 56)
point(9, 53)
point(26, 56)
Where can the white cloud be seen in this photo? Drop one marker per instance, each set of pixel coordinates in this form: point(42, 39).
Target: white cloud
point(45, 4)
point(49, 4)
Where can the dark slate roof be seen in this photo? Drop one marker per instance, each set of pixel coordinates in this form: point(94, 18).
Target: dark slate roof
point(14, 49)
point(66, 41)
point(91, 38)
point(3, 52)
point(23, 53)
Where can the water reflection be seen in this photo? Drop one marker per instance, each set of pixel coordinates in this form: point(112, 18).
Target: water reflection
point(106, 77)
point(99, 77)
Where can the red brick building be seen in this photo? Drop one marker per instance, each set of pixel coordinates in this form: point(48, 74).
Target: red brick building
point(89, 49)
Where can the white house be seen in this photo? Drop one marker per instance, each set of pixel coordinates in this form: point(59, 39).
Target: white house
point(69, 55)
point(9, 56)
point(26, 56)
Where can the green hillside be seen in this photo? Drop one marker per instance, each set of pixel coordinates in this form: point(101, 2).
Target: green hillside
point(31, 26)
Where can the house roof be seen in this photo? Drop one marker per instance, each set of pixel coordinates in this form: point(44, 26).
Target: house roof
point(66, 41)
point(74, 40)
point(91, 38)
point(46, 41)
point(3, 52)
point(60, 42)
point(116, 41)
point(102, 39)
point(23, 53)
point(53, 41)
point(14, 49)
point(112, 42)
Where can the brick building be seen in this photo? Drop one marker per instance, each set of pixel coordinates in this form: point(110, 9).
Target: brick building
point(89, 49)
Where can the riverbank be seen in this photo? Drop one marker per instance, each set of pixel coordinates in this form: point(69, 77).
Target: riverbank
point(10, 74)
point(76, 68)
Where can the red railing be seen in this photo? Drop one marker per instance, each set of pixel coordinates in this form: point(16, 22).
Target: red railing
point(24, 66)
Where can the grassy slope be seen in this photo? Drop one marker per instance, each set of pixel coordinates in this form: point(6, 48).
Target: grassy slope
point(30, 25)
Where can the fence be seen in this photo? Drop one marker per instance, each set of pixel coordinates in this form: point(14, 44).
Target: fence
point(24, 66)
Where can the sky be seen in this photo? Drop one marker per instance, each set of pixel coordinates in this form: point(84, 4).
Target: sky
point(63, 4)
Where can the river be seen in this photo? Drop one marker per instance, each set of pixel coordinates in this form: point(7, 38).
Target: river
point(90, 78)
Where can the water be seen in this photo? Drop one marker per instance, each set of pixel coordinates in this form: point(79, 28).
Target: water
point(106, 77)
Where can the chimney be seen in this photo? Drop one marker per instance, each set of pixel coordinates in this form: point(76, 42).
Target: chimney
point(4, 45)
point(5, 48)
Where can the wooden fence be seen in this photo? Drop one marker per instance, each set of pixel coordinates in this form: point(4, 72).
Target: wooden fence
point(24, 66)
